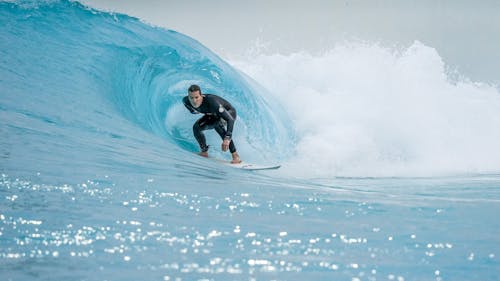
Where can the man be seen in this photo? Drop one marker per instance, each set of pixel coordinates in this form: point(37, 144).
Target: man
point(219, 114)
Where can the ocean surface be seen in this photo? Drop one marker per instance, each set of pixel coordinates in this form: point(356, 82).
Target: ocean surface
point(390, 159)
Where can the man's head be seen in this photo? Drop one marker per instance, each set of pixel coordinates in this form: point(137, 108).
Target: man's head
point(195, 96)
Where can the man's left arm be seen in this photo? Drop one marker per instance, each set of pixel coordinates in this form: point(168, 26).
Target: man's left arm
point(229, 119)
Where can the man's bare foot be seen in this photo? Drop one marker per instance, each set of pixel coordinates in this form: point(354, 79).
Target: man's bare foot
point(203, 153)
point(236, 158)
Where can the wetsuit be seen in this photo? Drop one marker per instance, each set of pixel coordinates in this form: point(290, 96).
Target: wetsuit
point(218, 113)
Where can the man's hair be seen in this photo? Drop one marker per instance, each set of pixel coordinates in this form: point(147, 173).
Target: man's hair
point(194, 88)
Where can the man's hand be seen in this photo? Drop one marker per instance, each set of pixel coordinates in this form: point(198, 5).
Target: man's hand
point(225, 144)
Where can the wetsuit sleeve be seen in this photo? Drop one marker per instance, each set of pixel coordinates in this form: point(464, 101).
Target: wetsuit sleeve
point(187, 104)
point(224, 110)
point(224, 114)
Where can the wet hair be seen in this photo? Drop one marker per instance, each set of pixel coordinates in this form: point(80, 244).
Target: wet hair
point(194, 88)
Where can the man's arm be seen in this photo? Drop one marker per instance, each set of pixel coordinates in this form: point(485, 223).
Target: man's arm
point(224, 114)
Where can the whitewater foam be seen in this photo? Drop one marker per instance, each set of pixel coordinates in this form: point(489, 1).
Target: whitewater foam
point(361, 109)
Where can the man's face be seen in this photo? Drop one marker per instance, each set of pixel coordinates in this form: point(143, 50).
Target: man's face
point(195, 98)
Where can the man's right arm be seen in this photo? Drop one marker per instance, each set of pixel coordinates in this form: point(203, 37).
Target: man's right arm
point(188, 105)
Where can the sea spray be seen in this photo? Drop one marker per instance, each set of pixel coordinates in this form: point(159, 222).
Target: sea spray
point(361, 109)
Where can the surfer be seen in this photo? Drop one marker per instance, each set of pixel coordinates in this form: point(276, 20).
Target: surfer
point(219, 114)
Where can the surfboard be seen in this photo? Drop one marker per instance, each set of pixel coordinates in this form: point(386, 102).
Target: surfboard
point(251, 166)
point(245, 165)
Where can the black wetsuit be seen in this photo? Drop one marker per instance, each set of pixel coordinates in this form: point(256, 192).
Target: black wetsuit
point(218, 113)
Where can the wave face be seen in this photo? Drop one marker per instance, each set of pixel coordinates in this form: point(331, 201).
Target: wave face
point(361, 109)
point(83, 78)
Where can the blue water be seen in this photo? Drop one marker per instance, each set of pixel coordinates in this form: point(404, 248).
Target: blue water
point(99, 180)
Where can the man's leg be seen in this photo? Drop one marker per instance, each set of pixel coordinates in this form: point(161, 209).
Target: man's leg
point(199, 126)
point(221, 130)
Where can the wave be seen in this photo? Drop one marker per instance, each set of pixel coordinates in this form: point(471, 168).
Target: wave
point(77, 81)
point(105, 89)
point(362, 109)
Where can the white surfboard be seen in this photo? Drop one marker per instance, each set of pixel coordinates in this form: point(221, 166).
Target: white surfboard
point(246, 165)
point(252, 167)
